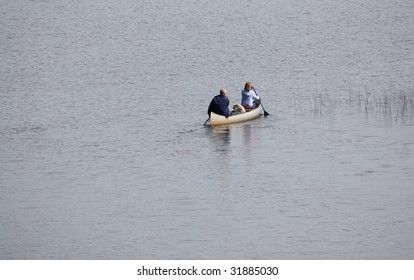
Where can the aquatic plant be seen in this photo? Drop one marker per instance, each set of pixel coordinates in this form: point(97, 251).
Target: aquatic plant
point(393, 104)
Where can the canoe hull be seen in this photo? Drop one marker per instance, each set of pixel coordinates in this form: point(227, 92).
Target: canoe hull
point(216, 119)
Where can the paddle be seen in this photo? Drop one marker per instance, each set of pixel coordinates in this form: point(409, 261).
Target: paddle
point(264, 110)
point(207, 121)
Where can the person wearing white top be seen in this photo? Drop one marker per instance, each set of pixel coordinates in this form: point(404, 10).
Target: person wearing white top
point(248, 96)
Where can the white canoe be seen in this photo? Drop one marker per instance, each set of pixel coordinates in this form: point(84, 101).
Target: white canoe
point(216, 119)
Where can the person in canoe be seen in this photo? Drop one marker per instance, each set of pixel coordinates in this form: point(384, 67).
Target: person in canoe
point(220, 104)
point(250, 99)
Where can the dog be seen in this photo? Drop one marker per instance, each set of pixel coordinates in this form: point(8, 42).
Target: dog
point(238, 109)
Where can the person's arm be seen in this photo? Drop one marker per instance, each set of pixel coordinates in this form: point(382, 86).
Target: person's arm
point(255, 96)
point(210, 107)
point(227, 112)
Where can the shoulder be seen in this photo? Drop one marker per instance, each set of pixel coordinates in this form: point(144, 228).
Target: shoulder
point(221, 98)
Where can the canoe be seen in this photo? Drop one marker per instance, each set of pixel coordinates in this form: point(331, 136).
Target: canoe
point(216, 119)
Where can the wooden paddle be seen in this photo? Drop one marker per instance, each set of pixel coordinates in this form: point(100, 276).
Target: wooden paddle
point(264, 110)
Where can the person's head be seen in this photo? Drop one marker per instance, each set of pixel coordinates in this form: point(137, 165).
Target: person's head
point(248, 86)
point(223, 91)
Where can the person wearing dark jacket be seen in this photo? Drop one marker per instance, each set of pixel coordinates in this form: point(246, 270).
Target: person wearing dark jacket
point(220, 104)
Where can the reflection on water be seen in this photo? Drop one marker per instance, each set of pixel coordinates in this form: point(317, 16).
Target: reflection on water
point(102, 155)
point(220, 137)
point(247, 134)
point(223, 138)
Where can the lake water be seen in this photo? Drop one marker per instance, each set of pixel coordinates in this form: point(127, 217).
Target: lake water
point(104, 154)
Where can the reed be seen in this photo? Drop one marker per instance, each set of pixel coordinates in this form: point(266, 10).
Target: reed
point(322, 102)
point(394, 104)
point(397, 104)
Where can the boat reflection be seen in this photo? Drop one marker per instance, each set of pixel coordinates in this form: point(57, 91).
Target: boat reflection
point(221, 138)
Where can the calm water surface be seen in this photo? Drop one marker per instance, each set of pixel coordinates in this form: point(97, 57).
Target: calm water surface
point(104, 154)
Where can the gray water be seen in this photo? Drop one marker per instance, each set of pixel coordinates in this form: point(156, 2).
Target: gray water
point(104, 154)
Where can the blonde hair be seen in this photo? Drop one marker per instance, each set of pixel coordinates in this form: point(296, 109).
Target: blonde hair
point(248, 86)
